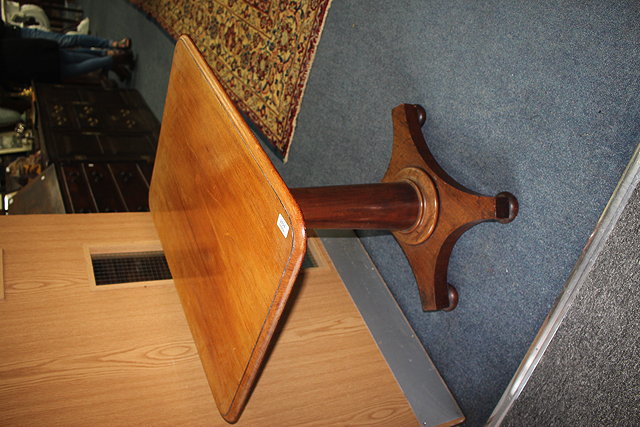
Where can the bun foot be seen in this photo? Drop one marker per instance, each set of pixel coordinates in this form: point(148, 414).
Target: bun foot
point(453, 298)
point(422, 114)
point(506, 207)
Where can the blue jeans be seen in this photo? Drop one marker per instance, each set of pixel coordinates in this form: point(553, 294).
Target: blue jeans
point(78, 62)
point(66, 40)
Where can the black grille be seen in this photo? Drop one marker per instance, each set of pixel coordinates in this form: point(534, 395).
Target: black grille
point(111, 269)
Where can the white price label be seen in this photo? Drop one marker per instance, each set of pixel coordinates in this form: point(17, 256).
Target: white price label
point(283, 226)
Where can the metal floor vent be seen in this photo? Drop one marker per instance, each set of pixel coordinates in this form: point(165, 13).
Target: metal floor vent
point(130, 267)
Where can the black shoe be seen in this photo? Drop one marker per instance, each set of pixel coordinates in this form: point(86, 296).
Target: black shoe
point(124, 58)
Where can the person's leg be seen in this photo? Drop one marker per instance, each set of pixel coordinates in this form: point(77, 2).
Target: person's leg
point(34, 33)
point(92, 51)
point(68, 40)
point(78, 63)
point(73, 56)
point(74, 63)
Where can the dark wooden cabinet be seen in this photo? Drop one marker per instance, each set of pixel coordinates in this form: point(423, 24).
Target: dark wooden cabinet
point(102, 143)
point(103, 187)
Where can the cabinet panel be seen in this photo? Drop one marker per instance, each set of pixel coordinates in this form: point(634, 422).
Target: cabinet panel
point(104, 188)
point(132, 185)
point(74, 146)
point(128, 147)
point(103, 142)
point(75, 189)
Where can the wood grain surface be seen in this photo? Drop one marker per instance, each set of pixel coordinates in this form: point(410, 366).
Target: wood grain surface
point(233, 235)
point(75, 356)
point(1, 275)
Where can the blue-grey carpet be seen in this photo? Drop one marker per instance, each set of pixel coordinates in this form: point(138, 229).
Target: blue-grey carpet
point(539, 99)
point(593, 359)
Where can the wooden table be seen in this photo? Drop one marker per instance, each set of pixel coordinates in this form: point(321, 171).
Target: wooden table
point(74, 354)
point(235, 235)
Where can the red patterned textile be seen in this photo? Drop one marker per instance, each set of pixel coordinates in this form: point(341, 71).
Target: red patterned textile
point(260, 50)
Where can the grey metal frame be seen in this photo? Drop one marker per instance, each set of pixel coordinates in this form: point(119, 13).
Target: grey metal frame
point(425, 390)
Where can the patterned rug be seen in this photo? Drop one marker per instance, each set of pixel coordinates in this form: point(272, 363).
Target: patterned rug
point(260, 50)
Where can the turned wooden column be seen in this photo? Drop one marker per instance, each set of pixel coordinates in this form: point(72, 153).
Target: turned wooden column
point(393, 206)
